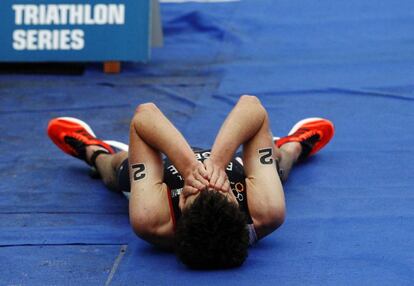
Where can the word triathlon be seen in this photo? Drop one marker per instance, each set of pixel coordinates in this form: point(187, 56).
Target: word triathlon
point(63, 15)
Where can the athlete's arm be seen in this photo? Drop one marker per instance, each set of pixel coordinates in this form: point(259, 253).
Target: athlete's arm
point(151, 134)
point(248, 124)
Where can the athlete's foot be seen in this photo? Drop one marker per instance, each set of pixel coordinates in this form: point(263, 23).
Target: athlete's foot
point(292, 150)
point(76, 138)
point(312, 134)
point(92, 149)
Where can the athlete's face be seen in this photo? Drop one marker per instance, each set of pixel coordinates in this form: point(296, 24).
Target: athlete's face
point(186, 199)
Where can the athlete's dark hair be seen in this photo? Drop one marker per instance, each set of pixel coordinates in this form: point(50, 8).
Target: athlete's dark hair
point(212, 233)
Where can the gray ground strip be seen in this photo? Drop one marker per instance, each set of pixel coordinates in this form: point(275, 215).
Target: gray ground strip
point(118, 260)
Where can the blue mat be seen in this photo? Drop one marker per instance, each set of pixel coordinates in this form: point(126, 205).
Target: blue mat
point(350, 218)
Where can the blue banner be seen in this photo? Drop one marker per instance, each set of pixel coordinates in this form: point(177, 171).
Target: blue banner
point(69, 30)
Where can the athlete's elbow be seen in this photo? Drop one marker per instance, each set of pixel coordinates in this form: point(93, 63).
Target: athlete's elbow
point(278, 217)
point(140, 225)
point(143, 114)
point(273, 219)
point(253, 104)
point(146, 107)
point(249, 99)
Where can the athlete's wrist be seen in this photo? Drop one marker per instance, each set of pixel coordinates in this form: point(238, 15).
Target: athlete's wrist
point(218, 161)
point(189, 168)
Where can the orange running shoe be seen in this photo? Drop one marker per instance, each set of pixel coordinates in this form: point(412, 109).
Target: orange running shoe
point(311, 133)
point(72, 136)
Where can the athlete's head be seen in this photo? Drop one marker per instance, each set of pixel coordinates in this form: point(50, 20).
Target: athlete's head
point(212, 232)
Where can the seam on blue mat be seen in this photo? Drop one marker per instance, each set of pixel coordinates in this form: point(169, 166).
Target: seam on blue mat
point(174, 95)
point(371, 93)
point(59, 244)
point(64, 109)
point(57, 212)
point(117, 261)
point(336, 90)
point(228, 100)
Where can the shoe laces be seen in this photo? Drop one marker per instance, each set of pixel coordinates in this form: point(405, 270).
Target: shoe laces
point(76, 140)
point(309, 139)
point(307, 133)
point(80, 135)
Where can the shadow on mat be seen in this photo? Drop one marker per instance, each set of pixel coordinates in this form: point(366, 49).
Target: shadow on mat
point(42, 68)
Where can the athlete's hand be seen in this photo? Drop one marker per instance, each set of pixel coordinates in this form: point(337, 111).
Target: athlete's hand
point(196, 179)
point(217, 176)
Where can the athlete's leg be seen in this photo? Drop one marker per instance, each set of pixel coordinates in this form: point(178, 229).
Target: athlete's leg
point(107, 165)
point(76, 138)
point(306, 138)
point(287, 155)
